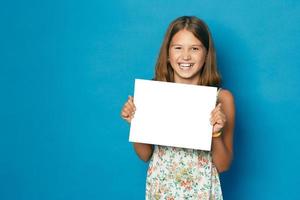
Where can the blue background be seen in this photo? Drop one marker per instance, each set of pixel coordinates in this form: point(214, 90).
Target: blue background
point(66, 68)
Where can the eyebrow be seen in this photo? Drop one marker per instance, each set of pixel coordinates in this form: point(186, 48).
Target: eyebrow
point(200, 45)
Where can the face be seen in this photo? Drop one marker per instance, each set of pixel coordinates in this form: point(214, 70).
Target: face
point(186, 56)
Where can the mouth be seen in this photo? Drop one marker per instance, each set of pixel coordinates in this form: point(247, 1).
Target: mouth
point(185, 66)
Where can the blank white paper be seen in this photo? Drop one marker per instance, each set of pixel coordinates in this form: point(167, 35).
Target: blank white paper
point(173, 114)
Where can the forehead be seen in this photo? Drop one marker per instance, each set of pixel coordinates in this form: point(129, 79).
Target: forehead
point(185, 37)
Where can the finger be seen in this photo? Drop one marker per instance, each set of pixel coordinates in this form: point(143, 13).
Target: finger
point(128, 119)
point(217, 119)
point(130, 102)
point(213, 121)
point(218, 125)
point(130, 108)
point(217, 129)
point(213, 118)
point(215, 115)
point(219, 114)
point(127, 105)
point(216, 109)
point(127, 111)
point(220, 122)
point(124, 114)
point(130, 98)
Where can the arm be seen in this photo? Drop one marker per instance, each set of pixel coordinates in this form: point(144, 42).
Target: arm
point(144, 151)
point(222, 146)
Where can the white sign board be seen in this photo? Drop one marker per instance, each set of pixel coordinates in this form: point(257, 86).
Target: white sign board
point(173, 114)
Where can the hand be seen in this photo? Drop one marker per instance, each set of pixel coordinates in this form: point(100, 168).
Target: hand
point(128, 110)
point(218, 118)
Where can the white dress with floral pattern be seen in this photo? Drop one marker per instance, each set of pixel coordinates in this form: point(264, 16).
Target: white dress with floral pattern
point(178, 173)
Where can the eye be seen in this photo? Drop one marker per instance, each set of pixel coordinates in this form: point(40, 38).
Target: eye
point(195, 48)
point(177, 47)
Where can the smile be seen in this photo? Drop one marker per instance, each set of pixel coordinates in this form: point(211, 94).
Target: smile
point(185, 65)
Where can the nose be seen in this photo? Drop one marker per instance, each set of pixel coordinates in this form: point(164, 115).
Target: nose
point(186, 55)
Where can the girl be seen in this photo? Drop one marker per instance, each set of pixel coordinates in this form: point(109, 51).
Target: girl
point(187, 55)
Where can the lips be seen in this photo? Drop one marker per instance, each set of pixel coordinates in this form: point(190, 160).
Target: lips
point(185, 66)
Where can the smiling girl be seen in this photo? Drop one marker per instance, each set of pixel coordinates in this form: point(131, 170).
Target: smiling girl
point(187, 56)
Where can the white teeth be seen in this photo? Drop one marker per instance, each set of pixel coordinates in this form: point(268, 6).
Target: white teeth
point(185, 65)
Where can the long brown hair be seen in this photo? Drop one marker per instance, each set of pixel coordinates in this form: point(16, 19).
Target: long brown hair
point(209, 74)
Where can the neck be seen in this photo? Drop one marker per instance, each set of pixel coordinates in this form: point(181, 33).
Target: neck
point(194, 81)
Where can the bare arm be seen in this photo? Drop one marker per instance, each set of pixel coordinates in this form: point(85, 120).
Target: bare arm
point(144, 151)
point(222, 146)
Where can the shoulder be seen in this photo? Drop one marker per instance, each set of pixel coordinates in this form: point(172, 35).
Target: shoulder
point(225, 95)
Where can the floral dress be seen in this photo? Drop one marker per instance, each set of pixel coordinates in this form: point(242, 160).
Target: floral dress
point(179, 173)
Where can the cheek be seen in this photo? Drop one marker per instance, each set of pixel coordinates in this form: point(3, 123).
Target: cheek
point(172, 57)
point(171, 54)
point(202, 58)
point(172, 63)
